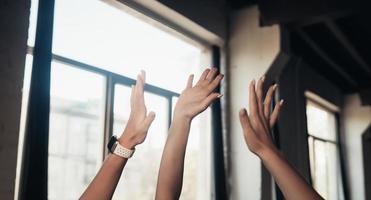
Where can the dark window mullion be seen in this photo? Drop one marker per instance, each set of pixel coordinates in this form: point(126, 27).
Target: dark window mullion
point(109, 115)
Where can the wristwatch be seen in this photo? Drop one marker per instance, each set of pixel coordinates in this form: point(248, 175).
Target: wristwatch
point(115, 148)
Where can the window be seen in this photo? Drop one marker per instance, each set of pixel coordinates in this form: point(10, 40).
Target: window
point(75, 130)
point(324, 150)
point(97, 54)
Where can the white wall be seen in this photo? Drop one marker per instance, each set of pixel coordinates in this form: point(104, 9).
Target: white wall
point(356, 118)
point(252, 50)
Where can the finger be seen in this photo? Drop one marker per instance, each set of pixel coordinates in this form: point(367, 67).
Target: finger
point(139, 87)
point(143, 75)
point(132, 96)
point(210, 77)
point(254, 109)
point(209, 99)
point(259, 96)
point(190, 81)
point(203, 75)
point(248, 131)
point(216, 82)
point(149, 119)
point(275, 113)
point(253, 105)
point(245, 121)
point(268, 101)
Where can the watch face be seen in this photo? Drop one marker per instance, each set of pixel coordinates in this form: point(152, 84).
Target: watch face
point(111, 143)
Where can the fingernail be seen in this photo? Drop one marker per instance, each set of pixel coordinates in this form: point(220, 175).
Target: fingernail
point(275, 86)
point(220, 95)
point(281, 102)
point(263, 78)
point(243, 111)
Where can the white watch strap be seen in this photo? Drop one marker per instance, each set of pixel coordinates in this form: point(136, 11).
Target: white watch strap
point(122, 151)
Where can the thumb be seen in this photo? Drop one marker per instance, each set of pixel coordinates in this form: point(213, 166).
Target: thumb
point(149, 119)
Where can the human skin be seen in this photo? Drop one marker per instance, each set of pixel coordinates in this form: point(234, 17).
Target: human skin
point(104, 184)
point(257, 127)
point(192, 101)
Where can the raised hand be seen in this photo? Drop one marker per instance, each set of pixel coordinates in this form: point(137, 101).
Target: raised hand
point(139, 122)
point(105, 182)
point(256, 128)
point(257, 124)
point(195, 99)
point(192, 101)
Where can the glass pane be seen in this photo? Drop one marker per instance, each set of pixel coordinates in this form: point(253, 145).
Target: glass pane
point(33, 23)
point(134, 184)
point(76, 130)
point(321, 171)
point(320, 122)
point(325, 168)
point(133, 43)
point(311, 156)
point(334, 176)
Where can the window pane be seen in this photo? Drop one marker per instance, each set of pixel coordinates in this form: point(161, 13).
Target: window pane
point(132, 43)
point(321, 169)
point(325, 169)
point(76, 130)
point(33, 23)
point(139, 178)
point(320, 122)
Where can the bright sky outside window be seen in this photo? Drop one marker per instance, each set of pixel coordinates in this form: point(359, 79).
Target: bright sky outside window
point(109, 38)
point(75, 130)
point(99, 34)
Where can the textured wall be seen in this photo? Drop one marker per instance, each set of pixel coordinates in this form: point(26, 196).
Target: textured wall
point(252, 50)
point(14, 16)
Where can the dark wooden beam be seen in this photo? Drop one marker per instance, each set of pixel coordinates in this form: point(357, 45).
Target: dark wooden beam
point(320, 19)
point(326, 57)
point(365, 97)
point(366, 147)
point(342, 38)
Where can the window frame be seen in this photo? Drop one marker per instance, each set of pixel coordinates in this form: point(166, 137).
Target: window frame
point(45, 18)
point(333, 109)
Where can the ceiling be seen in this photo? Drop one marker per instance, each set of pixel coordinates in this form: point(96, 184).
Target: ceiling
point(332, 36)
point(238, 4)
point(338, 48)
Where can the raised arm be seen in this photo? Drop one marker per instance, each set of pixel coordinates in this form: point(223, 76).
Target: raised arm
point(256, 127)
point(105, 182)
point(192, 101)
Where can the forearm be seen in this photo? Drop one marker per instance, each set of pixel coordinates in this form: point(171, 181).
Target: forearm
point(170, 178)
point(289, 181)
point(105, 182)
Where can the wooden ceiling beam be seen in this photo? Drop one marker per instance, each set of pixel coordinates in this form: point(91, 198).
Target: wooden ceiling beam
point(342, 38)
point(316, 48)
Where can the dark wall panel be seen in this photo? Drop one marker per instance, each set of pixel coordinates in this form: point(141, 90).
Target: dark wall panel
point(210, 14)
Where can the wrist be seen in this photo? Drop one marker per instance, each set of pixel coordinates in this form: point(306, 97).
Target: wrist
point(178, 117)
point(126, 142)
point(268, 152)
